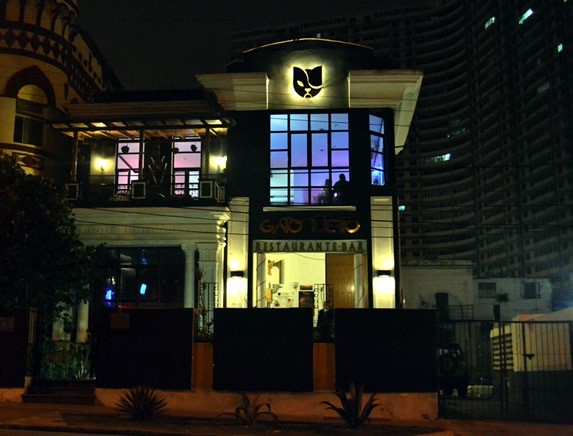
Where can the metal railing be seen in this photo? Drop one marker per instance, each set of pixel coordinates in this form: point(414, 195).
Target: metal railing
point(141, 190)
point(507, 370)
point(207, 302)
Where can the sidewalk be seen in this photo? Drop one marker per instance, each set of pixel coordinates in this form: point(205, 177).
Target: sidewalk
point(104, 420)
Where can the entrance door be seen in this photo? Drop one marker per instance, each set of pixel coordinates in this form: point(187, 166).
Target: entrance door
point(340, 273)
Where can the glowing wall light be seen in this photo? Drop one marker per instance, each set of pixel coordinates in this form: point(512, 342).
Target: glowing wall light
point(220, 162)
point(237, 290)
point(102, 164)
point(384, 286)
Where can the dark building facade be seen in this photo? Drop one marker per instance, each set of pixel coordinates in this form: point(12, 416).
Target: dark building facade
point(486, 172)
point(270, 190)
point(310, 178)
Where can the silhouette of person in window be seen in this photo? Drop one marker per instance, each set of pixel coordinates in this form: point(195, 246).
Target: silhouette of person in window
point(325, 197)
point(341, 190)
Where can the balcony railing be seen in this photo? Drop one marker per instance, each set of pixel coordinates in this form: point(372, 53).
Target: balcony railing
point(206, 191)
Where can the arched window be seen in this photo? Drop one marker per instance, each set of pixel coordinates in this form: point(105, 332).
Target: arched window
point(29, 121)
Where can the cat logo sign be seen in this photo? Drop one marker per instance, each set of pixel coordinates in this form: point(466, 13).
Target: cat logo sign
point(307, 83)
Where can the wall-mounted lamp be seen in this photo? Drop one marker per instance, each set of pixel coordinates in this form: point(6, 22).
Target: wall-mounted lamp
point(237, 290)
point(237, 273)
point(220, 162)
point(384, 287)
point(102, 164)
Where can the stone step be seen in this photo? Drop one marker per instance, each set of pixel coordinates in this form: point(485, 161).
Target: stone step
point(59, 399)
point(60, 392)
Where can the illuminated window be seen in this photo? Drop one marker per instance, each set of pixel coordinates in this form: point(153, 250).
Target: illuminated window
point(142, 277)
point(377, 170)
point(543, 88)
point(129, 159)
point(489, 22)
point(457, 132)
point(309, 153)
point(440, 158)
point(187, 167)
point(525, 16)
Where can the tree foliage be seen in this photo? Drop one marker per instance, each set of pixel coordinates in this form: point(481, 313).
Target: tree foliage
point(43, 262)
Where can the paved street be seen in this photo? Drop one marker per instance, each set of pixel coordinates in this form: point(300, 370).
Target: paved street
point(49, 419)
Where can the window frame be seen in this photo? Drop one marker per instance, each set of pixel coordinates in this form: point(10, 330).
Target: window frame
point(377, 151)
point(167, 271)
point(304, 156)
point(189, 185)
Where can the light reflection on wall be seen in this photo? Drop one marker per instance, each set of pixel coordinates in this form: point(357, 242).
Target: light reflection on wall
point(237, 292)
point(384, 292)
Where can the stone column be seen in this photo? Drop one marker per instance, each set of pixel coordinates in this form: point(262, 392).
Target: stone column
point(220, 272)
point(189, 289)
point(82, 322)
point(238, 250)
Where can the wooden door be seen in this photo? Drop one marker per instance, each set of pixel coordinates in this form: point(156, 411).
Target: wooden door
point(340, 274)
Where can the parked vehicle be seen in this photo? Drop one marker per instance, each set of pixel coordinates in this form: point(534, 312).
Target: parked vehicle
point(453, 370)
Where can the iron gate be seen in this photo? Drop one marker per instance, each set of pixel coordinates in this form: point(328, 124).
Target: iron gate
point(506, 370)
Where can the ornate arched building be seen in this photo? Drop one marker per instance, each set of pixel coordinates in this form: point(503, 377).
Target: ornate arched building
point(46, 62)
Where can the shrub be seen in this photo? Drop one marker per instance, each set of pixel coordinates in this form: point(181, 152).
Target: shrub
point(351, 410)
point(141, 403)
point(247, 413)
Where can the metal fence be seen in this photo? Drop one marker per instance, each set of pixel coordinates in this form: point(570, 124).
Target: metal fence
point(506, 370)
point(207, 303)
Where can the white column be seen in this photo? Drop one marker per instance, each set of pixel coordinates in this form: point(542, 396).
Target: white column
point(383, 282)
point(189, 289)
point(219, 270)
point(238, 251)
point(238, 236)
point(82, 322)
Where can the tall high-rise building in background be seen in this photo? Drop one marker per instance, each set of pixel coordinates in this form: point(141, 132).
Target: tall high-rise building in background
point(487, 172)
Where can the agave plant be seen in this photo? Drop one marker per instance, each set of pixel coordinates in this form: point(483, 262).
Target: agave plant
point(351, 410)
point(141, 403)
point(247, 413)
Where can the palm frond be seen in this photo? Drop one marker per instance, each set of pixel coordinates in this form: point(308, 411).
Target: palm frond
point(351, 410)
point(249, 411)
point(141, 403)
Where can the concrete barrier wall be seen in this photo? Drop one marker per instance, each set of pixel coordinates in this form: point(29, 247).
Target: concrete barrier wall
point(299, 407)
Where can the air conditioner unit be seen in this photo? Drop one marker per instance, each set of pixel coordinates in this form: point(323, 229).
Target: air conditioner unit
point(72, 191)
point(206, 189)
point(219, 193)
point(138, 190)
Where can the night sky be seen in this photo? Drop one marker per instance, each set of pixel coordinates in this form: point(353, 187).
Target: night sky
point(163, 44)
